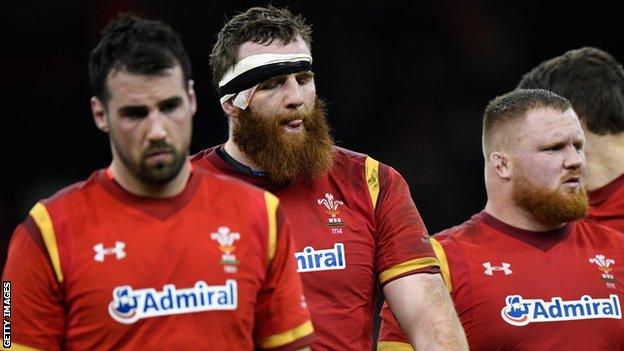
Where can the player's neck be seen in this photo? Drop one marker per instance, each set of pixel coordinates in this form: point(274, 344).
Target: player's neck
point(236, 153)
point(135, 186)
point(605, 159)
point(511, 214)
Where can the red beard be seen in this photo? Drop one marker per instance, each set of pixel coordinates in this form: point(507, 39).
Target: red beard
point(286, 157)
point(550, 207)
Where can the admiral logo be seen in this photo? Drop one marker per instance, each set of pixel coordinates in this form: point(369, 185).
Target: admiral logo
point(520, 311)
point(311, 260)
point(129, 305)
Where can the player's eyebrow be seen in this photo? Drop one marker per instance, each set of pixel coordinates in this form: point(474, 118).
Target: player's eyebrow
point(273, 80)
point(305, 74)
point(133, 110)
point(282, 77)
point(170, 103)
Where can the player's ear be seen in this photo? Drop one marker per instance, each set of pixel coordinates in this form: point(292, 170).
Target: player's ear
point(230, 110)
point(501, 164)
point(98, 111)
point(192, 97)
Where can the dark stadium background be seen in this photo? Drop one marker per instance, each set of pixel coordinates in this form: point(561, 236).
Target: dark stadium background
point(405, 81)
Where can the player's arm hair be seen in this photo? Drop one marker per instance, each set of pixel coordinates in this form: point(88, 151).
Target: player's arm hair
point(424, 309)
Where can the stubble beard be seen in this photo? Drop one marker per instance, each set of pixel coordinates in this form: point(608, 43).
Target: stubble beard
point(154, 174)
point(286, 157)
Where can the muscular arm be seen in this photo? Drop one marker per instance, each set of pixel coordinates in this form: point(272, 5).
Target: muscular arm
point(423, 308)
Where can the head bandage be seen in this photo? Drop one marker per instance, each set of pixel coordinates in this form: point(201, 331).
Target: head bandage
point(243, 78)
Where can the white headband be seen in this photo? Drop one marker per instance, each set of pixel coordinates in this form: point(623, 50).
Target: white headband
point(243, 78)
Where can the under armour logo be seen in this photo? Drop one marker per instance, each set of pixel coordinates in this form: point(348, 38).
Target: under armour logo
point(489, 269)
point(101, 251)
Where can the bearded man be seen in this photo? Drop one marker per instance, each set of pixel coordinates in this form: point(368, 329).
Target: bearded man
point(528, 272)
point(356, 225)
point(149, 253)
point(593, 81)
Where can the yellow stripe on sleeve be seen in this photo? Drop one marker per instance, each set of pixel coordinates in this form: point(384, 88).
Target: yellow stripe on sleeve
point(393, 346)
point(444, 267)
point(41, 216)
point(406, 267)
point(19, 347)
point(372, 179)
point(271, 205)
point(287, 337)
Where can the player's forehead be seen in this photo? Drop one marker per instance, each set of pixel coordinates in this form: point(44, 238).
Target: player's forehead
point(134, 88)
point(545, 124)
point(297, 46)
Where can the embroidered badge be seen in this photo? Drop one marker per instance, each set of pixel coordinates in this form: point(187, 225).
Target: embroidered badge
point(605, 265)
point(331, 208)
point(226, 240)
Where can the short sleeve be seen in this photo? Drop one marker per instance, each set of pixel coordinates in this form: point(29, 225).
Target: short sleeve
point(282, 318)
point(403, 245)
point(37, 313)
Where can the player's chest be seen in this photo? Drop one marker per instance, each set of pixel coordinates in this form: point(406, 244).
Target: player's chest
point(332, 232)
point(562, 270)
point(162, 268)
point(525, 292)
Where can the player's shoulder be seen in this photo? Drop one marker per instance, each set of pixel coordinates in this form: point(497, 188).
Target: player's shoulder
point(73, 191)
point(465, 231)
point(346, 160)
point(202, 154)
point(343, 155)
point(590, 228)
point(224, 183)
point(349, 160)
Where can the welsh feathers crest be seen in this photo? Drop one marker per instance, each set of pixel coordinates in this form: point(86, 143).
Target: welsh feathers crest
point(331, 208)
point(226, 240)
point(605, 265)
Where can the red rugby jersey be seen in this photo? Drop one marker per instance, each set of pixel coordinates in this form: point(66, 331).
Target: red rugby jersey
point(354, 227)
point(520, 290)
point(607, 204)
point(95, 267)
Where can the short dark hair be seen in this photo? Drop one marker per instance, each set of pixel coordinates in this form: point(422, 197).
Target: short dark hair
point(514, 106)
point(259, 25)
point(592, 80)
point(139, 46)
